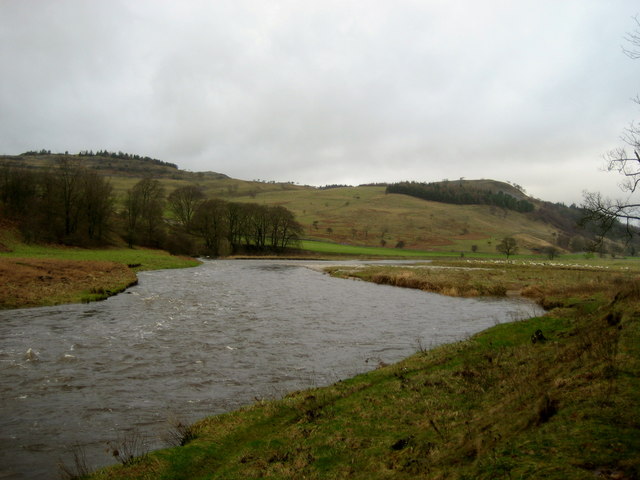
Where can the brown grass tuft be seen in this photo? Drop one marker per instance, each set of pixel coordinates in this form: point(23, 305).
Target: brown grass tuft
point(28, 282)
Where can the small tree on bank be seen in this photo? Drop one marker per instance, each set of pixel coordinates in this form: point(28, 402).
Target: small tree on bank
point(508, 246)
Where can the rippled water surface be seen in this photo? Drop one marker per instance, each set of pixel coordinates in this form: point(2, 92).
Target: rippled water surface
point(184, 344)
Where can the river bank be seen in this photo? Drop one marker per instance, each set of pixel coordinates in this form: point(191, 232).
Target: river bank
point(34, 276)
point(548, 284)
point(549, 397)
point(188, 343)
point(30, 282)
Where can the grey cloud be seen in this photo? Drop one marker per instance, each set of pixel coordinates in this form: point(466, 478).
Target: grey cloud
point(327, 92)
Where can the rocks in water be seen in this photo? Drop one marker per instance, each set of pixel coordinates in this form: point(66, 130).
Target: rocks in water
point(31, 356)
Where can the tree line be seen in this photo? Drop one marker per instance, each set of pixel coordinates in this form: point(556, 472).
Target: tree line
point(73, 205)
point(67, 205)
point(105, 153)
point(460, 195)
point(126, 156)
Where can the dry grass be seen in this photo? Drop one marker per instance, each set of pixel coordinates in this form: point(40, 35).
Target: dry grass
point(28, 282)
point(544, 283)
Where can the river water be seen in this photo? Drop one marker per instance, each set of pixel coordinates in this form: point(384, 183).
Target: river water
point(184, 344)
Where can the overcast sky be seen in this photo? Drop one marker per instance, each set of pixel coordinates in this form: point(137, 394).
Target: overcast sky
point(322, 92)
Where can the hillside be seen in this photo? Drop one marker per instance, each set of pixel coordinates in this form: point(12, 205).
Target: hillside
point(362, 215)
point(461, 192)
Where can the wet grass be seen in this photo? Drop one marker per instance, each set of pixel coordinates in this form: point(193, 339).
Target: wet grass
point(138, 258)
point(355, 250)
point(37, 275)
point(30, 282)
point(547, 283)
point(497, 405)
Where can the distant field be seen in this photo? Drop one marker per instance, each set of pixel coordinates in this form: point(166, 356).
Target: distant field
point(344, 249)
point(567, 260)
point(367, 216)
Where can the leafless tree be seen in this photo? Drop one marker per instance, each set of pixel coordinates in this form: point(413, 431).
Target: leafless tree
point(144, 205)
point(624, 160)
point(184, 201)
point(210, 223)
point(508, 246)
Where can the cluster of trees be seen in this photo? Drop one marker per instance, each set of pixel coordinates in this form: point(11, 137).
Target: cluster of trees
point(73, 205)
point(223, 227)
point(451, 192)
point(67, 205)
point(105, 153)
point(37, 152)
point(126, 156)
point(228, 227)
point(333, 185)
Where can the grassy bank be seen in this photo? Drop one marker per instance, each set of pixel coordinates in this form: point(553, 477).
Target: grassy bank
point(547, 283)
point(36, 275)
point(498, 405)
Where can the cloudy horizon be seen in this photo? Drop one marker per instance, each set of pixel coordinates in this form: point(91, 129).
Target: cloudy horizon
point(331, 92)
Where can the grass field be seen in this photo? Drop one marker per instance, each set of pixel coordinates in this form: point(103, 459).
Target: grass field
point(142, 258)
point(545, 282)
point(325, 247)
point(36, 275)
point(368, 216)
point(363, 251)
point(497, 405)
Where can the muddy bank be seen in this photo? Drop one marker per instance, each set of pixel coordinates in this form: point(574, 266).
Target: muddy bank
point(29, 282)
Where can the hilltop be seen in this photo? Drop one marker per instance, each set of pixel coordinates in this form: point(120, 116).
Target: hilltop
point(365, 215)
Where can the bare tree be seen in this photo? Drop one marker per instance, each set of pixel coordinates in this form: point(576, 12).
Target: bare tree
point(625, 160)
point(97, 205)
point(210, 223)
point(285, 230)
point(66, 204)
point(184, 201)
point(144, 206)
point(18, 190)
point(508, 246)
point(68, 187)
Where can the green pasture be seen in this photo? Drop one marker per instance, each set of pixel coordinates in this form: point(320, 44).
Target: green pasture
point(368, 216)
point(142, 258)
point(330, 248)
point(363, 251)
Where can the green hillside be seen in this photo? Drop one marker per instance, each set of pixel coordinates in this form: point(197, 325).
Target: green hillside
point(361, 215)
point(368, 216)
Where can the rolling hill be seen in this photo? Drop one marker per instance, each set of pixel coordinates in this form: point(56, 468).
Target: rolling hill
point(366, 215)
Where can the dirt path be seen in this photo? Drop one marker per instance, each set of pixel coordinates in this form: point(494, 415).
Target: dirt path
point(28, 282)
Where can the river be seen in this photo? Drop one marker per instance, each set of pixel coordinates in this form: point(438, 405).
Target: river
point(184, 344)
